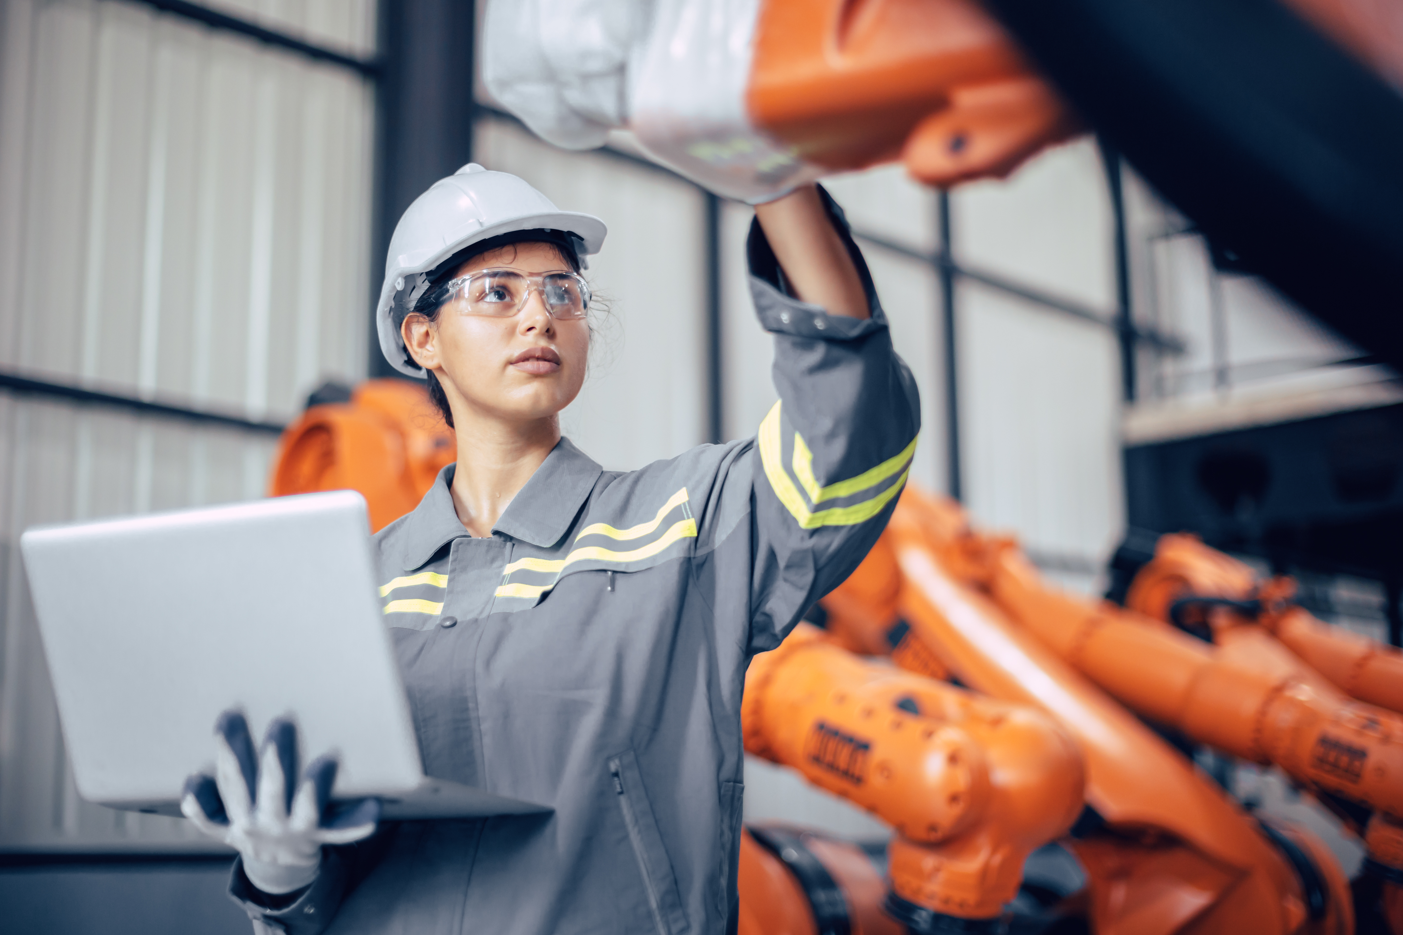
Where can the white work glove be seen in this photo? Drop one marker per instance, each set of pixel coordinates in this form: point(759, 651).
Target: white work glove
point(674, 72)
point(250, 805)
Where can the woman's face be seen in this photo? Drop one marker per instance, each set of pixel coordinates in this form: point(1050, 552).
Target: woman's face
point(519, 369)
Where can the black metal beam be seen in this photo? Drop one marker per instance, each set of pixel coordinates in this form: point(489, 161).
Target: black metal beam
point(199, 13)
point(1125, 319)
point(424, 119)
point(20, 385)
point(945, 268)
point(715, 400)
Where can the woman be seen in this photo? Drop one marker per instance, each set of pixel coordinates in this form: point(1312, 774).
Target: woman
point(573, 636)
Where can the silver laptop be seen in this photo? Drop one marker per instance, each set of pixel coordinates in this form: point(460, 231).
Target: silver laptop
point(153, 625)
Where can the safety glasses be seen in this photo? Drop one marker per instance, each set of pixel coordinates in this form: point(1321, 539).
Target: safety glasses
point(501, 293)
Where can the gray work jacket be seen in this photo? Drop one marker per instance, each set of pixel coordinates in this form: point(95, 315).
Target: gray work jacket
point(590, 654)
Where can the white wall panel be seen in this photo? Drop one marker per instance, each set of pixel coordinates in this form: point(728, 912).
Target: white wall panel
point(909, 291)
point(1048, 225)
point(189, 212)
point(645, 397)
point(345, 25)
point(1039, 419)
point(885, 201)
point(747, 350)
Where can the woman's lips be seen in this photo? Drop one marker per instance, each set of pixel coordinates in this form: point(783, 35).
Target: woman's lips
point(537, 361)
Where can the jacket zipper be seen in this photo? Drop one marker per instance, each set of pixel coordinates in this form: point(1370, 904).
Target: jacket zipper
point(636, 838)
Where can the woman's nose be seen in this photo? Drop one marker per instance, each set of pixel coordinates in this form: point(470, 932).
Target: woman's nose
point(534, 316)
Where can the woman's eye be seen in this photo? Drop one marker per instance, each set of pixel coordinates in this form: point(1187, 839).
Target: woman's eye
point(496, 294)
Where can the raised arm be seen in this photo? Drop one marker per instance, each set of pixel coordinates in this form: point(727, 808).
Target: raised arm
point(829, 460)
point(815, 260)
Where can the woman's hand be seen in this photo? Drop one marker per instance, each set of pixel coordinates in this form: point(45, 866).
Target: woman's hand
point(250, 805)
point(814, 258)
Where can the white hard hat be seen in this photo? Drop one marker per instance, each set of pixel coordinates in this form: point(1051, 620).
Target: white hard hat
point(470, 205)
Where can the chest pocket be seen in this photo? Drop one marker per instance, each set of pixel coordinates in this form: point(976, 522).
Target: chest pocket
point(601, 547)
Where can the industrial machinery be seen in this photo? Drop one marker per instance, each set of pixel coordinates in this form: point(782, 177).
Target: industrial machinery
point(953, 601)
point(1204, 592)
point(1008, 721)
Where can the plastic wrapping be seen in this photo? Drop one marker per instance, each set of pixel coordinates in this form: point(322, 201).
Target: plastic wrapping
point(562, 65)
point(688, 101)
point(673, 71)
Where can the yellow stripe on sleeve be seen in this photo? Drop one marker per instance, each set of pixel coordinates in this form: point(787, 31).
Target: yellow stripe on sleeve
point(414, 607)
point(409, 581)
point(804, 471)
point(771, 458)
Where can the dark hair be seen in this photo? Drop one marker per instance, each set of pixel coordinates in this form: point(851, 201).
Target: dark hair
point(429, 304)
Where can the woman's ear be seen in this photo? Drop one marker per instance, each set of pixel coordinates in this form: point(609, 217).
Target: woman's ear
point(420, 336)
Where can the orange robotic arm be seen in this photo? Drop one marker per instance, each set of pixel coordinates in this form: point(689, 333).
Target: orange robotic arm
point(798, 882)
point(937, 83)
point(971, 785)
point(1351, 749)
point(388, 443)
point(1177, 854)
point(1184, 568)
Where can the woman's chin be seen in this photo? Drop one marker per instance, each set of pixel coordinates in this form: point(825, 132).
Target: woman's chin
point(539, 406)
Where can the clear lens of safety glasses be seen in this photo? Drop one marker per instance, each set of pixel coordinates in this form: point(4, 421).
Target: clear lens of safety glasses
point(501, 293)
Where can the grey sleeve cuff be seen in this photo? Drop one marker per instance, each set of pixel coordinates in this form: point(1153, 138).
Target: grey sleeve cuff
point(782, 313)
point(308, 913)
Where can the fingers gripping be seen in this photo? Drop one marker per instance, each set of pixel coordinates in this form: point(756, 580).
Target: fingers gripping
point(236, 766)
point(253, 803)
point(278, 764)
point(200, 802)
point(335, 823)
point(350, 821)
point(314, 794)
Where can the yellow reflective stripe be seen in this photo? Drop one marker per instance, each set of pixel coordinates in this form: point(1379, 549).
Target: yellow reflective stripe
point(602, 529)
point(415, 606)
point(407, 581)
point(804, 471)
point(772, 460)
point(522, 590)
point(535, 564)
point(642, 529)
point(682, 529)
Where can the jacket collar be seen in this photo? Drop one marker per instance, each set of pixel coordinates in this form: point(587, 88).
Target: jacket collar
point(541, 513)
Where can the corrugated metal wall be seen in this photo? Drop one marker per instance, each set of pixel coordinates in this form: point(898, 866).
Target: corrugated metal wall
point(183, 217)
